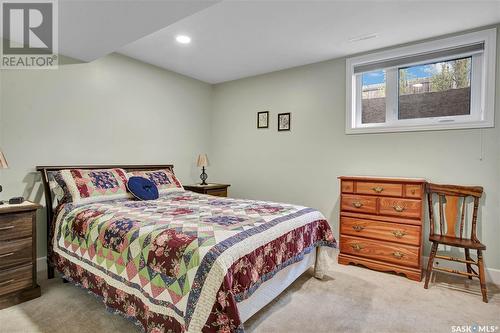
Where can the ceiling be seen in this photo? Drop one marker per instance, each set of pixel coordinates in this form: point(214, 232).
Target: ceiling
point(236, 39)
point(232, 39)
point(91, 29)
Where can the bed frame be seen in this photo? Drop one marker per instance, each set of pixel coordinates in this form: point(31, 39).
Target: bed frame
point(49, 199)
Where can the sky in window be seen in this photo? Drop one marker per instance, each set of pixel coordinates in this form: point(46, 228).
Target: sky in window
point(414, 72)
point(374, 77)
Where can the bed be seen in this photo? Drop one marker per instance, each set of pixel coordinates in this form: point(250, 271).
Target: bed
point(186, 262)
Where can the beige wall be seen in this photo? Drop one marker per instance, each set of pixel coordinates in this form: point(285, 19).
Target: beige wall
point(113, 110)
point(301, 166)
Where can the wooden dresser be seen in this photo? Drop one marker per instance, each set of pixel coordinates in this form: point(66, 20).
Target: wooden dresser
point(219, 190)
point(381, 224)
point(18, 254)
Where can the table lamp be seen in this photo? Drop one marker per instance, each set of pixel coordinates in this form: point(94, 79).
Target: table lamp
point(3, 165)
point(203, 162)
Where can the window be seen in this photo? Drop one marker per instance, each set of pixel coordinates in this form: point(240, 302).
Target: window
point(373, 104)
point(443, 84)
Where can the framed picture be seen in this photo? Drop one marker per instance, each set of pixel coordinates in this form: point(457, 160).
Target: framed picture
point(284, 120)
point(263, 119)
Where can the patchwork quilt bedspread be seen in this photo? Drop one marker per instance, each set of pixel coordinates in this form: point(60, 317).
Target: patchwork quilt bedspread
point(183, 262)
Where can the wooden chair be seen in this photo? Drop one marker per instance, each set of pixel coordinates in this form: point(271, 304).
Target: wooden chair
point(452, 205)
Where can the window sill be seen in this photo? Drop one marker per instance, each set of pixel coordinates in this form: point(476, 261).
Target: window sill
point(418, 128)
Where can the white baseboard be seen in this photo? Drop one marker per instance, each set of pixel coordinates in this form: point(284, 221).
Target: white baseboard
point(492, 274)
point(41, 264)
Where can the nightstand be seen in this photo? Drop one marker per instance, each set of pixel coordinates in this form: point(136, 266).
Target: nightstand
point(18, 253)
point(219, 190)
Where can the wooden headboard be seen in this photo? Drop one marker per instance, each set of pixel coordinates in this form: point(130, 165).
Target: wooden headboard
point(48, 193)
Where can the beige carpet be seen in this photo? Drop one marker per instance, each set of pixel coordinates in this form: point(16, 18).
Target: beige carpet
point(351, 299)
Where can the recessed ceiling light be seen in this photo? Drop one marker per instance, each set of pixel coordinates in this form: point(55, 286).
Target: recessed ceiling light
point(183, 39)
point(363, 37)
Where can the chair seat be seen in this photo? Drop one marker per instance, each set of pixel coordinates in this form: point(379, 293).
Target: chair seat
point(458, 242)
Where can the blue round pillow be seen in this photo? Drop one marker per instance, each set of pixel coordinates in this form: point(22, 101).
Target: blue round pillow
point(142, 188)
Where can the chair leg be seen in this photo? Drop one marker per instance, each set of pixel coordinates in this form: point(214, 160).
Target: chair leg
point(467, 257)
point(430, 264)
point(482, 277)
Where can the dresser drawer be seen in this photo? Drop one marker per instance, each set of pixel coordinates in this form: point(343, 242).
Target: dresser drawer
point(347, 186)
point(359, 203)
point(16, 225)
point(400, 207)
point(394, 190)
point(394, 253)
point(16, 279)
point(394, 232)
point(15, 252)
point(413, 191)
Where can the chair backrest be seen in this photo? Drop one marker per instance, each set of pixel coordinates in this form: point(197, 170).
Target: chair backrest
point(452, 207)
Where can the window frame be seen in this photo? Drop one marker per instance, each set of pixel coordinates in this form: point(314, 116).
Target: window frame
point(482, 86)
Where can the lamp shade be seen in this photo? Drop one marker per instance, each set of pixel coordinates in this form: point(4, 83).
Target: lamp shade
point(202, 160)
point(3, 161)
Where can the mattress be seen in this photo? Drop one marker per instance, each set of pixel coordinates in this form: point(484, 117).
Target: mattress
point(187, 261)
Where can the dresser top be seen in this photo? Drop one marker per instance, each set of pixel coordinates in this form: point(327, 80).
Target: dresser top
point(25, 206)
point(385, 179)
point(209, 186)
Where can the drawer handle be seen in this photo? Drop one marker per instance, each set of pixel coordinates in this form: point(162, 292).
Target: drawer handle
point(398, 255)
point(7, 228)
point(378, 189)
point(357, 247)
point(358, 227)
point(399, 208)
point(6, 282)
point(399, 233)
point(357, 204)
point(6, 255)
